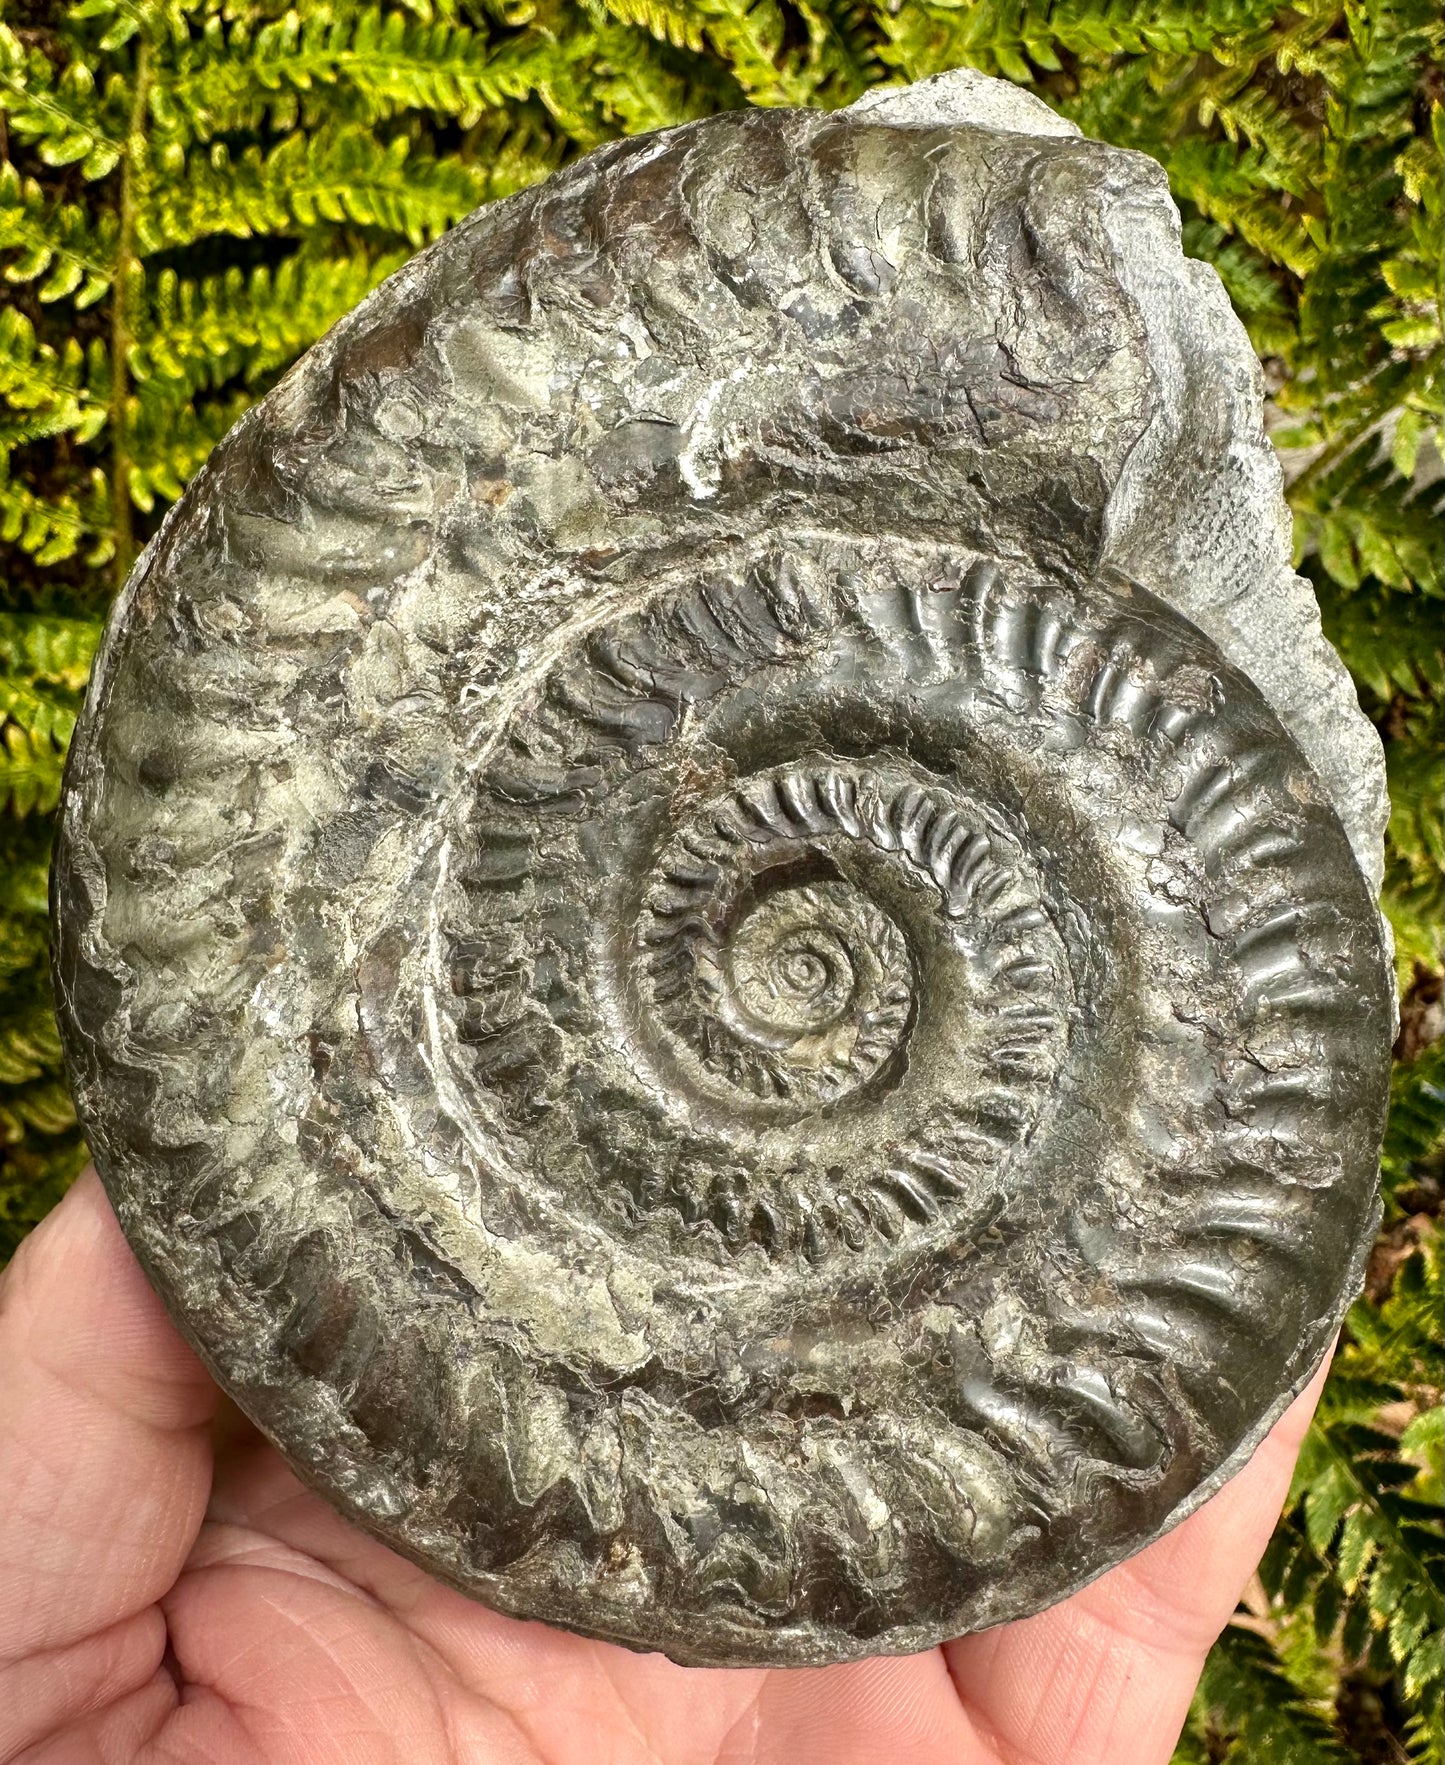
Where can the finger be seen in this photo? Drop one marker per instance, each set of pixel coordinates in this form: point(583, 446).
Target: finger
point(552, 1686)
point(1105, 1678)
point(104, 1459)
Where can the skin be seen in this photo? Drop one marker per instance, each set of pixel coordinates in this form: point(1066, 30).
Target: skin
point(170, 1592)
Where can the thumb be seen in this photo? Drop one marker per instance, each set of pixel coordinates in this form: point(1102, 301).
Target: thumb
point(104, 1451)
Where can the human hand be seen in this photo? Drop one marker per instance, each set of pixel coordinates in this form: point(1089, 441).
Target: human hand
point(170, 1592)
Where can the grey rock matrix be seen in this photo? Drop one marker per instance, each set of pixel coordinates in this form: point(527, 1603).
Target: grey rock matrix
point(715, 912)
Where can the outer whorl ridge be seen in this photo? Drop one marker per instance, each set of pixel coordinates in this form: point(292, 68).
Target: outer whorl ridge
point(706, 937)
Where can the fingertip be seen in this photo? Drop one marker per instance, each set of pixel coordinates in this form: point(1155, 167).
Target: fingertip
point(1187, 1582)
point(104, 1457)
point(76, 1304)
point(1112, 1667)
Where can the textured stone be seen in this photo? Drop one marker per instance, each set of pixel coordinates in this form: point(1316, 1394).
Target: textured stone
point(714, 912)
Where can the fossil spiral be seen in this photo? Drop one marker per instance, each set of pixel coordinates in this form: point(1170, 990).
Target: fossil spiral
point(714, 917)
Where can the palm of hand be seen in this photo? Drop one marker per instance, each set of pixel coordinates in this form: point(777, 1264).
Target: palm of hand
point(170, 1592)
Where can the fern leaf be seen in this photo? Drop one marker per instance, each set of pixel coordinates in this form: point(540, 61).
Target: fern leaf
point(42, 648)
point(44, 1106)
point(749, 37)
point(58, 113)
point(56, 244)
point(1234, 187)
point(1269, 1723)
point(642, 84)
point(339, 175)
point(54, 528)
point(199, 334)
point(1417, 1110)
point(30, 769)
point(168, 443)
point(1385, 642)
point(60, 391)
point(155, 20)
point(1423, 1444)
point(23, 940)
point(29, 1047)
point(1416, 766)
point(44, 664)
point(383, 63)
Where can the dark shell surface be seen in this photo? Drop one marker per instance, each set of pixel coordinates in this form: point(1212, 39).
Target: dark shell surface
point(696, 957)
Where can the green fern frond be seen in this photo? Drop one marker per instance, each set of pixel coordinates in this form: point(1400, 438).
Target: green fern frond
point(44, 663)
point(56, 243)
point(29, 1046)
point(60, 114)
point(155, 21)
point(53, 528)
point(1366, 521)
point(641, 84)
point(168, 444)
point(41, 648)
point(340, 175)
point(750, 37)
point(1413, 907)
point(1422, 1444)
point(1235, 187)
point(22, 939)
point(1018, 41)
point(388, 64)
point(1245, 1689)
point(1417, 1112)
point(1388, 644)
point(56, 391)
point(40, 717)
point(44, 1106)
point(23, 942)
point(1402, 1340)
point(1414, 895)
point(199, 334)
point(1357, 1562)
point(30, 770)
point(1416, 764)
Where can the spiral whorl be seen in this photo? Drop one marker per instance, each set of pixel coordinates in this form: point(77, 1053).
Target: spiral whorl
point(803, 992)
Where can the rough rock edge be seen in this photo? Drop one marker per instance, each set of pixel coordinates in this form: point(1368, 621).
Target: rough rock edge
point(1224, 561)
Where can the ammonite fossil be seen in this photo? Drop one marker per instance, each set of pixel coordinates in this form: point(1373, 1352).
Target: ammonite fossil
point(715, 914)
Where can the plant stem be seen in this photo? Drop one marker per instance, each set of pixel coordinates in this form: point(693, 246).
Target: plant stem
point(121, 336)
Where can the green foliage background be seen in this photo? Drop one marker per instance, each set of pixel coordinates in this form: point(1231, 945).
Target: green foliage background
point(192, 191)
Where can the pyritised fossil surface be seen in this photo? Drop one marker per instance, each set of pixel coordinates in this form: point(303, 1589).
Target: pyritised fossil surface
point(715, 912)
